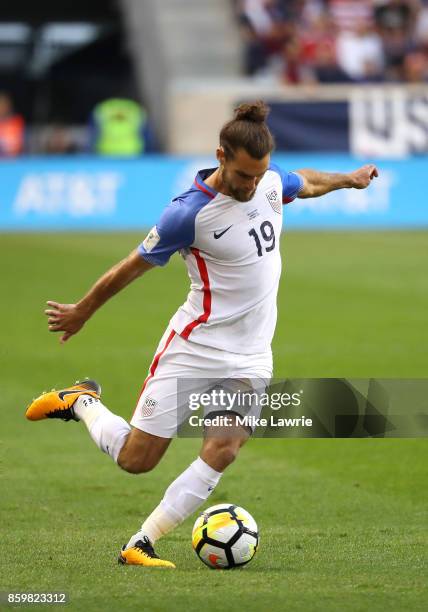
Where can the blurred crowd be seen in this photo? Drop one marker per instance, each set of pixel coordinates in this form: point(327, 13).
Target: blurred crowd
point(117, 127)
point(335, 41)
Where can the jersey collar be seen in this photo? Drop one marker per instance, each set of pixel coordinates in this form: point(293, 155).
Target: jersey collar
point(200, 182)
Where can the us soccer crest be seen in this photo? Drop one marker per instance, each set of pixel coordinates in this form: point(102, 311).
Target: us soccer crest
point(274, 200)
point(149, 406)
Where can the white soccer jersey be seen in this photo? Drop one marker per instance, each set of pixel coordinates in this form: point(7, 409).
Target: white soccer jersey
point(231, 250)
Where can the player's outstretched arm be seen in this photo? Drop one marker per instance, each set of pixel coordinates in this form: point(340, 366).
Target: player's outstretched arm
point(70, 318)
point(319, 183)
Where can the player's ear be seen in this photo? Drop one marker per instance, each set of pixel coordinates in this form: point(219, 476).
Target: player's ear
point(221, 157)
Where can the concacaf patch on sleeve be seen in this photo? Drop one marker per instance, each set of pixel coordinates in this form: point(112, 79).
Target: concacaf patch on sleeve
point(151, 239)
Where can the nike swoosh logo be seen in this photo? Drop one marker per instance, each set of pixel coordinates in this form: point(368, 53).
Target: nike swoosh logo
point(218, 235)
point(62, 394)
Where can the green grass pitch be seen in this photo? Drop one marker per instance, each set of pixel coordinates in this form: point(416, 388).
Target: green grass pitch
point(342, 522)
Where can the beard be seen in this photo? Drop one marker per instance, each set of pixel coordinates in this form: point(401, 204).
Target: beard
point(241, 195)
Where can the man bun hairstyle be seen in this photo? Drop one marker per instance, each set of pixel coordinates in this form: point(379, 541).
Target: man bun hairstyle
point(248, 130)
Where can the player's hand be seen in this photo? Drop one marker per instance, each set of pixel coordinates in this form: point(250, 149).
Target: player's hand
point(66, 318)
point(361, 178)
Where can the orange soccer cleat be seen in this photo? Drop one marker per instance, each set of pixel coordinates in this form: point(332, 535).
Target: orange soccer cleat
point(142, 553)
point(59, 404)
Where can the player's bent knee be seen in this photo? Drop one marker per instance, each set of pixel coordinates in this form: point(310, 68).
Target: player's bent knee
point(141, 452)
point(228, 454)
point(223, 453)
point(136, 465)
point(136, 462)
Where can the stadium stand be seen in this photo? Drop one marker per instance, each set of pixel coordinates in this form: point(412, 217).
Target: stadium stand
point(362, 41)
point(53, 63)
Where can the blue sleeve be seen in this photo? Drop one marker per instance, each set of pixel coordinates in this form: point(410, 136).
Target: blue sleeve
point(175, 230)
point(292, 183)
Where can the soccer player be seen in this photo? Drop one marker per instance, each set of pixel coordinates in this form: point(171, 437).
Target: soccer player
point(227, 228)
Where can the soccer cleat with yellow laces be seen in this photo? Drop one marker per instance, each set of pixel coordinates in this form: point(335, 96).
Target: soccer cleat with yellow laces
point(59, 404)
point(142, 553)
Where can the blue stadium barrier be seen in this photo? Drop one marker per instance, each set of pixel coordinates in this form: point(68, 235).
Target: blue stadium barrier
point(65, 193)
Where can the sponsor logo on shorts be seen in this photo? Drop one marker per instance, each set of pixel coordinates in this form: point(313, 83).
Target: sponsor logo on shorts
point(149, 406)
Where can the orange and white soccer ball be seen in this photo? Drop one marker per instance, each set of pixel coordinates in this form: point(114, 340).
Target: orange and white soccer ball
point(225, 536)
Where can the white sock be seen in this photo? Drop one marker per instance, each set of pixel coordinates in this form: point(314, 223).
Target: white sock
point(181, 499)
point(107, 430)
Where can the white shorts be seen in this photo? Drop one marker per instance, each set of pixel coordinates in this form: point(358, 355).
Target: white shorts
point(157, 411)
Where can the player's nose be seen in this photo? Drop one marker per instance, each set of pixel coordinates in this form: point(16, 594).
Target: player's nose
point(252, 183)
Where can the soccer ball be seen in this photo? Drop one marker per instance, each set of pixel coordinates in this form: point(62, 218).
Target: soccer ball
point(225, 536)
